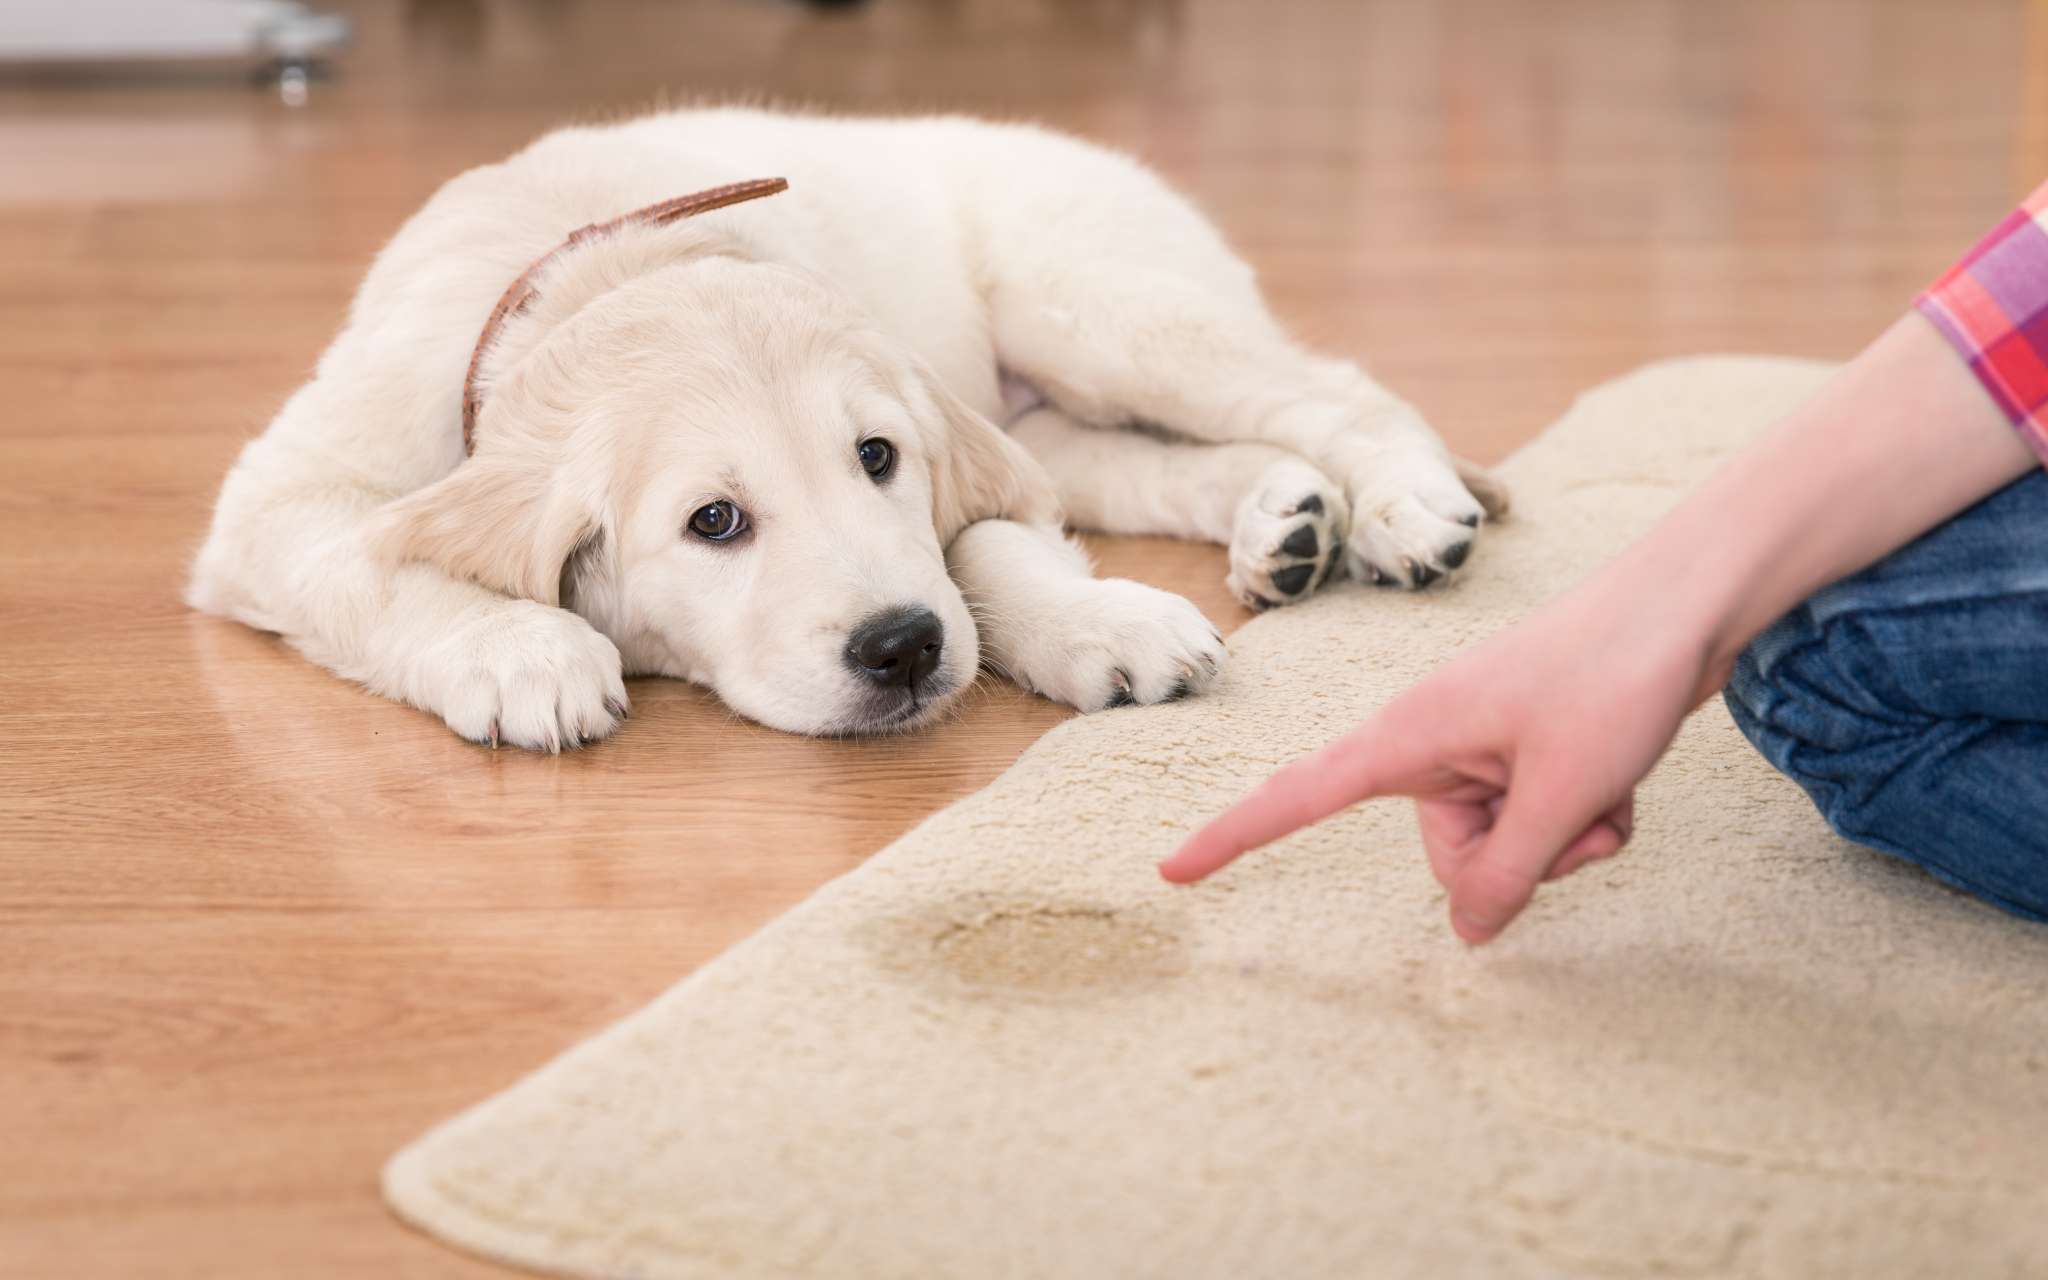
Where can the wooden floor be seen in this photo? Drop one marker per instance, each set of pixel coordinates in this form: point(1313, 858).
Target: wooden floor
point(258, 928)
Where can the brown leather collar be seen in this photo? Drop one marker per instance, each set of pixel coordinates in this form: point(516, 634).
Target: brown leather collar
point(522, 291)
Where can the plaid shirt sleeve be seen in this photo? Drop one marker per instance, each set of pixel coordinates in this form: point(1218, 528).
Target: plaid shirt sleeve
point(1993, 306)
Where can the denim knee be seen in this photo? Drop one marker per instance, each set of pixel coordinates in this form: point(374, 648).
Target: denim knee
point(1816, 698)
point(1815, 722)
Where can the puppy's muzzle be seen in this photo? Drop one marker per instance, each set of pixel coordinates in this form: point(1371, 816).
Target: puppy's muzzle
point(898, 647)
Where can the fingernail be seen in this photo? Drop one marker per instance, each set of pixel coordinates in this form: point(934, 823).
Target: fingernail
point(1467, 926)
point(1171, 873)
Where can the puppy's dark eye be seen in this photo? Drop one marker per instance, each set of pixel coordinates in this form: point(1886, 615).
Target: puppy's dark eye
point(877, 458)
point(718, 522)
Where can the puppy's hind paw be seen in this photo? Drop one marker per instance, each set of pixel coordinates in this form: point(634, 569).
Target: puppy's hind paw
point(1288, 535)
point(1416, 518)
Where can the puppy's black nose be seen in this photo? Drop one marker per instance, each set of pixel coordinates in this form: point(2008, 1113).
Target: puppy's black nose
point(897, 646)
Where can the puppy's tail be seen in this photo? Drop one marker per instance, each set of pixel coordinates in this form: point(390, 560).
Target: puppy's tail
point(1485, 486)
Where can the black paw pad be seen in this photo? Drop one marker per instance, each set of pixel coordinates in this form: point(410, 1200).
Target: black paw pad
point(1312, 503)
point(1259, 603)
point(1291, 580)
point(1179, 691)
point(1121, 698)
point(1302, 543)
point(1455, 556)
point(1424, 575)
point(1329, 566)
point(1470, 522)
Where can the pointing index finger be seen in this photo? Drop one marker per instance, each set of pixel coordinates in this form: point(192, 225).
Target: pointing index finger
point(1312, 788)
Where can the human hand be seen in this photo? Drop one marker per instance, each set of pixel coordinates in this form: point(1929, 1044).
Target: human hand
point(1522, 754)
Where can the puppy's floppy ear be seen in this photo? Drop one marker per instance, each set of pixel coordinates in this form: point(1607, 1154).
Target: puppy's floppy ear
point(980, 473)
point(503, 523)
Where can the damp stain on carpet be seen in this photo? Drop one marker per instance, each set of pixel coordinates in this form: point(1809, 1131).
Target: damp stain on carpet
point(1056, 949)
point(1025, 948)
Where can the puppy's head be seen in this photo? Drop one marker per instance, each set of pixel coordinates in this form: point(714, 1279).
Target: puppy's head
point(728, 473)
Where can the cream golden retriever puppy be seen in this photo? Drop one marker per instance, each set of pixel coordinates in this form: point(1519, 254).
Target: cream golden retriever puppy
point(755, 447)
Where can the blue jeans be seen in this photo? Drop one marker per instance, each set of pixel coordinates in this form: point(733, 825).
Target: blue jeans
point(1911, 700)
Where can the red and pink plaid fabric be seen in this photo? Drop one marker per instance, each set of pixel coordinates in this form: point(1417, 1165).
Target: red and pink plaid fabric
point(1993, 305)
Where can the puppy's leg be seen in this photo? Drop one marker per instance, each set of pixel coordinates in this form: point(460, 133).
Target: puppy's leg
point(1119, 302)
point(1088, 642)
point(289, 552)
point(1118, 344)
point(1283, 520)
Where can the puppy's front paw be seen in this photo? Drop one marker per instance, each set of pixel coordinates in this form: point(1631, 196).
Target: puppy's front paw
point(1287, 536)
point(527, 675)
point(1116, 642)
point(1413, 520)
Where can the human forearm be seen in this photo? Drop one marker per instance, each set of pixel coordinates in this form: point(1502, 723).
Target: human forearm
point(1900, 439)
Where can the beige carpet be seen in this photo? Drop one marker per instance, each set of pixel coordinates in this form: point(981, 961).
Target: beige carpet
point(1003, 1048)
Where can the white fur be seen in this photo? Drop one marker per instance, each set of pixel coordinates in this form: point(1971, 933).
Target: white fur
point(744, 355)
